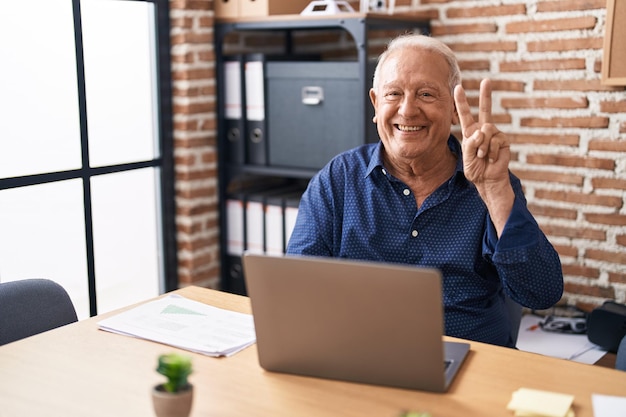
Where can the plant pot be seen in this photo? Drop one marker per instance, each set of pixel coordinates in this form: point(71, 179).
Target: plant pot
point(172, 404)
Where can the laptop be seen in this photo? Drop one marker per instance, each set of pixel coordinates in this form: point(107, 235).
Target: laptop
point(358, 321)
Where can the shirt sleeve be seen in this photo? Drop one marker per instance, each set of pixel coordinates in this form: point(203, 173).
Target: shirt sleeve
point(527, 263)
point(310, 235)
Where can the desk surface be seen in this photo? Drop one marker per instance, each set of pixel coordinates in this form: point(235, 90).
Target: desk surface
point(78, 370)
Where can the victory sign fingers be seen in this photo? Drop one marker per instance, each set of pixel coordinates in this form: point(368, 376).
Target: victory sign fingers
point(483, 143)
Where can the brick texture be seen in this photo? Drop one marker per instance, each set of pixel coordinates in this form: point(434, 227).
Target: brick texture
point(193, 75)
point(567, 129)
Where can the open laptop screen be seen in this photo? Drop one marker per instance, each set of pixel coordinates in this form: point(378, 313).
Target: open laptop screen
point(357, 321)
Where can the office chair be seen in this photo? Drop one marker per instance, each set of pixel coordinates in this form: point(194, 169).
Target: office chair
point(620, 360)
point(32, 306)
point(515, 316)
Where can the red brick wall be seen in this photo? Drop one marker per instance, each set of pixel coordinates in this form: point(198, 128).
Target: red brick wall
point(568, 130)
point(193, 74)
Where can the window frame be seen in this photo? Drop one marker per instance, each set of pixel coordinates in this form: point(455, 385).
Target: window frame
point(164, 160)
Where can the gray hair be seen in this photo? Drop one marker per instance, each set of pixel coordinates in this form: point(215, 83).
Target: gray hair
point(419, 41)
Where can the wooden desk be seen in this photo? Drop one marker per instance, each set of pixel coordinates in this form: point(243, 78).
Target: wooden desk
point(79, 370)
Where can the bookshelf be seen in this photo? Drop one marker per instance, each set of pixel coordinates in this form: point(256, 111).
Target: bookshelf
point(315, 105)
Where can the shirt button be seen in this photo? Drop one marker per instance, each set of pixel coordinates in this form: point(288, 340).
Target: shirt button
point(414, 233)
point(406, 191)
point(384, 171)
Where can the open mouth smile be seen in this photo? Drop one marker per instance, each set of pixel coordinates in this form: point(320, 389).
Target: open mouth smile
point(405, 128)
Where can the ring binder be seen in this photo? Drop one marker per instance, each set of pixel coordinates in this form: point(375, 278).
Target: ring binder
point(256, 144)
point(233, 111)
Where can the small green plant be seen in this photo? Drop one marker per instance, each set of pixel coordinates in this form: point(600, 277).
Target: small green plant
point(176, 368)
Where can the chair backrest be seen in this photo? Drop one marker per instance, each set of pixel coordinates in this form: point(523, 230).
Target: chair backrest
point(515, 316)
point(620, 360)
point(32, 306)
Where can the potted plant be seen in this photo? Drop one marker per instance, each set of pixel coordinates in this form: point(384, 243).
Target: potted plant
point(174, 397)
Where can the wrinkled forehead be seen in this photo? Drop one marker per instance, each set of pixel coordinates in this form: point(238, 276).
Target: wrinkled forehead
point(414, 64)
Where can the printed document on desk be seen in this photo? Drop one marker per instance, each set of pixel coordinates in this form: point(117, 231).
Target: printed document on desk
point(177, 321)
point(574, 347)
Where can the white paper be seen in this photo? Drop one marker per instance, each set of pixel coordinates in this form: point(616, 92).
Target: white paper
point(608, 406)
point(186, 324)
point(575, 347)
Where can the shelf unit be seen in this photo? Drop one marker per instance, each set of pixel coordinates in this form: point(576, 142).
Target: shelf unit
point(359, 26)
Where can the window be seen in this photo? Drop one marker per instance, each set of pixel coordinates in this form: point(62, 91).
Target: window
point(86, 167)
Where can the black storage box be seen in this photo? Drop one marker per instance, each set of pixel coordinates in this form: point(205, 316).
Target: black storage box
point(313, 112)
point(606, 325)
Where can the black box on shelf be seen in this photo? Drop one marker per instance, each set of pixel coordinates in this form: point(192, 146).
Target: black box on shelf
point(313, 112)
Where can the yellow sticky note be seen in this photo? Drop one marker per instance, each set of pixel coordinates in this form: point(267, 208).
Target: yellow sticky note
point(533, 402)
point(518, 413)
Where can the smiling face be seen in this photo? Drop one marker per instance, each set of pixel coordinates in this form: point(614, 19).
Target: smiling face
point(413, 104)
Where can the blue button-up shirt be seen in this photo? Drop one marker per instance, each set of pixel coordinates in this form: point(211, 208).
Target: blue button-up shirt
point(353, 208)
